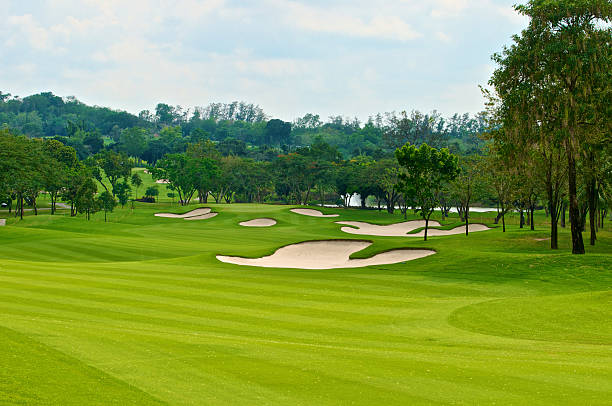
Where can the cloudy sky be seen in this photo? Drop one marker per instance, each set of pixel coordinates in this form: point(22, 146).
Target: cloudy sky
point(340, 57)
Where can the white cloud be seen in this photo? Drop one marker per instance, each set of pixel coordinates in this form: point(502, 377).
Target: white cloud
point(450, 8)
point(443, 37)
point(337, 21)
point(291, 57)
point(36, 35)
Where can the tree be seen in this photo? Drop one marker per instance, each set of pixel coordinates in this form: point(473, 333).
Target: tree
point(554, 82)
point(415, 129)
point(107, 202)
point(424, 171)
point(59, 160)
point(184, 173)
point(20, 167)
point(136, 181)
point(278, 132)
point(123, 191)
point(386, 174)
point(113, 165)
point(152, 192)
point(468, 186)
point(133, 141)
point(78, 188)
point(85, 201)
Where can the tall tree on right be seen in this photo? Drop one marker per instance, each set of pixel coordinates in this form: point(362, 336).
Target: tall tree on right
point(553, 84)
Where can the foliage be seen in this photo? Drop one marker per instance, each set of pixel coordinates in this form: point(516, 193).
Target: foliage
point(424, 172)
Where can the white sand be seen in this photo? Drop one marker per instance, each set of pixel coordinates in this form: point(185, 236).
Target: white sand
point(391, 230)
point(202, 216)
point(262, 222)
point(2, 222)
point(433, 232)
point(162, 181)
point(326, 255)
point(192, 213)
point(401, 229)
point(312, 213)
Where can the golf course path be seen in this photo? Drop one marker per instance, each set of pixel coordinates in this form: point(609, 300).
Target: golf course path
point(326, 255)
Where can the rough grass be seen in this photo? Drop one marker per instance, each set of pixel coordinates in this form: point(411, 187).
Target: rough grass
point(139, 311)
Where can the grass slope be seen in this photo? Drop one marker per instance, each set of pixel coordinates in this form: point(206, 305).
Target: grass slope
point(139, 311)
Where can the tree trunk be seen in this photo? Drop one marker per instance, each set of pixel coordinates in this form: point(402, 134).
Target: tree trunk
point(522, 218)
point(592, 196)
point(426, 226)
point(390, 204)
point(467, 219)
point(574, 211)
point(563, 209)
point(531, 218)
point(21, 206)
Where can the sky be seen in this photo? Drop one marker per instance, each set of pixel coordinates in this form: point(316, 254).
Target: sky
point(291, 57)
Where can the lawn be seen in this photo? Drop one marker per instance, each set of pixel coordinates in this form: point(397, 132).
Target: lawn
point(139, 311)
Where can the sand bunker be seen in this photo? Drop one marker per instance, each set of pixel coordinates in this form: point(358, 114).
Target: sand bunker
point(193, 213)
point(202, 216)
point(312, 213)
point(262, 222)
point(391, 230)
point(402, 229)
point(2, 222)
point(326, 255)
point(164, 181)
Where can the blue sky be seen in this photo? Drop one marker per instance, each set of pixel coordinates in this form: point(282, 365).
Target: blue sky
point(336, 57)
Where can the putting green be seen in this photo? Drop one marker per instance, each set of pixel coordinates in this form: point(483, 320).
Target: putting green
point(139, 311)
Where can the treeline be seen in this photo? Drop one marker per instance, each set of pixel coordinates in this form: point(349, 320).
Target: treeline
point(551, 108)
point(242, 129)
point(422, 179)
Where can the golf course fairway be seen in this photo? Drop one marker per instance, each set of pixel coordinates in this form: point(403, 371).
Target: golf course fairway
point(138, 311)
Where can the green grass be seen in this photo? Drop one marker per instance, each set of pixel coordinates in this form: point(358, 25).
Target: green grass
point(139, 311)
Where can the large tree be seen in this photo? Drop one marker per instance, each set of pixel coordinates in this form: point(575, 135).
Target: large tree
point(425, 171)
point(555, 82)
point(113, 166)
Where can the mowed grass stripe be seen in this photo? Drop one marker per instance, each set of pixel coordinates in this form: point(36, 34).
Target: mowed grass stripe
point(371, 327)
point(221, 302)
point(189, 330)
point(433, 373)
point(188, 286)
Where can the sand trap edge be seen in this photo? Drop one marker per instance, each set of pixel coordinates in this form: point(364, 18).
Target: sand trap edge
point(428, 252)
point(271, 222)
point(190, 213)
point(312, 213)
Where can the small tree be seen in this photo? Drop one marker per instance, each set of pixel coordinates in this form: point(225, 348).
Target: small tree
point(425, 170)
point(151, 192)
point(136, 181)
point(107, 202)
point(122, 191)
